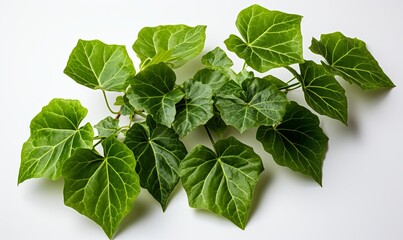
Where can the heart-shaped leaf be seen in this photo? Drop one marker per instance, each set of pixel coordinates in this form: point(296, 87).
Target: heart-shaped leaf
point(107, 127)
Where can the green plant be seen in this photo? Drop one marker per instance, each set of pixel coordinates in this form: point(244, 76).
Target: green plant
point(148, 152)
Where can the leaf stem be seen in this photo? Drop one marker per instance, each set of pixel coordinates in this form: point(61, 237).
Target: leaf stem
point(97, 143)
point(209, 135)
point(107, 103)
point(289, 87)
point(244, 66)
point(293, 72)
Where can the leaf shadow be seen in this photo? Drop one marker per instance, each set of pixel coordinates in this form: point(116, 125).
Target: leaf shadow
point(261, 188)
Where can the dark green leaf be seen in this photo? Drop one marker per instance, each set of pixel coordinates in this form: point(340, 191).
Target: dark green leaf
point(172, 44)
point(55, 133)
point(297, 143)
point(260, 104)
point(107, 127)
point(222, 181)
point(350, 58)
point(153, 91)
point(271, 39)
point(102, 188)
point(97, 65)
point(216, 124)
point(195, 109)
point(214, 78)
point(158, 151)
point(322, 91)
point(275, 81)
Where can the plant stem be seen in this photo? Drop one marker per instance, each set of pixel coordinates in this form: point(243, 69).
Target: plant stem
point(209, 135)
point(244, 66)
point(107, 103)
point(293, 72)
point(96, 144)
point(289, 87)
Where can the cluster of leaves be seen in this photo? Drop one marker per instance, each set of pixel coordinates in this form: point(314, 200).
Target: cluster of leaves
point(148, 152)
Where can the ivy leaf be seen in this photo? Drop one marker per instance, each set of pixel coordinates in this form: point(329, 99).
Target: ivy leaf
point(172, 44)
point(213, 78)
point(195, 109)
point(153, 91)
point(97, 65)
point(350, 59)
point(275, 81)
point(158, 151)
point(297, 143)
point(322, 91)
point(217, 59)
point(216, 124)
point(271, 39)
point(102, 188)
point(260, 104)
point(55, 133)
point(222, 181)
point(107, 127)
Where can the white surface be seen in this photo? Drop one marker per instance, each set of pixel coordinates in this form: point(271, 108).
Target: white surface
point(362, 194)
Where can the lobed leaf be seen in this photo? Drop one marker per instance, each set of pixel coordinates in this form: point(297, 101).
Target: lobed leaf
point(107, 127)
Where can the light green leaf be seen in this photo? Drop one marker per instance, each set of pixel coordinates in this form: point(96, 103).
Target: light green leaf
point(153, 91)
point(217, 59)
point(107, 127)
point(195, 109)
point(271, 39)
point(213, 78)
point(260, 104)
point(223, 180)
point(322, 91)
point(350, 59)
point(102, 188)
point(158, 151)
point(172, 44)
point(97, 65)
point(297, 143)
point(55, 133)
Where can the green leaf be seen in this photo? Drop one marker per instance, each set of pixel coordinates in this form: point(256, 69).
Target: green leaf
point(275, 81)
point(350, 59)
point(216, 124)
point(153, 91)
point(217, 59)
point(297, 143)
point(195, 109)
point(222, 181)
point(172, 44)
point(260, 104)
point(126, 108)
point(102, 188)
point(322, 91)
point(55, 133)
point(213, 78)
point(158, 151)
point(97, 65)
point(107, 127)
point(271, 39)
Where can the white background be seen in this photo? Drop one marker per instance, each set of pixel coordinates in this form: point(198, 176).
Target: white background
point(362, 194)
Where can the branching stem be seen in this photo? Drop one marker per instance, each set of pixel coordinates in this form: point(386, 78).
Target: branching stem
point(107, 103)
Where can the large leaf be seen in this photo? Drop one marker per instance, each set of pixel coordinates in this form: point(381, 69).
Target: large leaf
point(97, 65)
point(350, 58)
point(297, 143)
point(322, 91)
point(172, 44)
point(102, 188)
point(223, 180)
point(158, 151)
point(153, 91)
point(271, 39)
point(260, 103)
point(107, 127)
point(55, 133)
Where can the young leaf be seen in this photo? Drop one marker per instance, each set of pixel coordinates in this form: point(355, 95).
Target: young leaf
point(153, 91)
point(172, 44)
point(107, 127)
point(297, 143)
point(217, 59)
point(222, 181)
point(195, 109)
point(55, 133)
point(260, 104)
point(97, 65)
point(102, 188)
point(322, 91)
point(350, 58)
point(214, 78)
point(158, 151)
point(271, 39)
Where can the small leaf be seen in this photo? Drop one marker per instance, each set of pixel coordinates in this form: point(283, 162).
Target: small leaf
point(271, 39)
point(127, 109)
point(275, 81)
point(216, 124)
point(350, 59)
point(195, 109)
point(260, 104)
point(222, 181)
point(102, 188)
point(158, 151)
point(322, 91)
point(107, 127)
point(297, 143)
point(213, 78)
point(217, 59)
point(153, 91)
point(97, 65)
point(172, 44)
point(55, 133)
